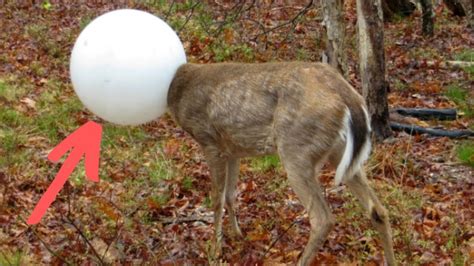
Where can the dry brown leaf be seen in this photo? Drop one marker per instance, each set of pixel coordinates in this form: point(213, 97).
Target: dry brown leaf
point(29, 102)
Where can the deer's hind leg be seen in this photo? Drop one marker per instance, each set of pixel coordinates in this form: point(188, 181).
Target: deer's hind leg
point(359, 186)
point(302, 168)
point(233, 167)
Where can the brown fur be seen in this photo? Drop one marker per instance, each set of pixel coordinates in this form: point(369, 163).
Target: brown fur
point(293, 109)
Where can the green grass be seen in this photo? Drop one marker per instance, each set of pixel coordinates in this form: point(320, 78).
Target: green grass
point(55, 126)
point(46, 5)
point(40, 34)
point(456, 93)
point(160, 170)
point(11, 140)
point(187, 183)
point(85, 21)
point(465, 55)
point(401, 203)
point(265, 163)
point(13, 258)
point(465, 153)
point(3, 89)
point(12, 133)
point(12, 118)
point(454, 235)
point(302, 54)
point(38, 69)
point(424, 53)
point(225, 52)
point(127, 136)
point(207, 202)
point(56, 116)
point(469, 70)
point(9, 92)
point(461, 97)
point(400, 85)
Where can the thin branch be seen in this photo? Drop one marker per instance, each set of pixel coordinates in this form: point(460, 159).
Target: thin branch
point(119, 229)
point(250, 6)
point(50, 250)
point(188, 18)
point(132, 213)
point(292, 21)
point(224, 20)
point(279, 237)
point(234, 15)
point(169, 10)
point(259, 24)
point(262, 28)
point(71, 222)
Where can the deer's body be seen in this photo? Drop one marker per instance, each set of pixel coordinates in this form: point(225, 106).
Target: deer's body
point(305, 112)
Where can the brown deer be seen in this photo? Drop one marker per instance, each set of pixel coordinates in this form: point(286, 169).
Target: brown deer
point(305, 112)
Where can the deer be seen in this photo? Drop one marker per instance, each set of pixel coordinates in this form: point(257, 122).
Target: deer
point(304, 112)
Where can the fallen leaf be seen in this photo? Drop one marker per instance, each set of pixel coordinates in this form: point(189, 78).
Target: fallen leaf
point(29, 102)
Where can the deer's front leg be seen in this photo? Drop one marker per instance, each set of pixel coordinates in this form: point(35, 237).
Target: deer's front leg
point(218, 167)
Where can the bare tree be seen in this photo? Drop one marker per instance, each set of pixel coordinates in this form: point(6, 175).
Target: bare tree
point(372, 64)
point(428, 17)
point(334, 25)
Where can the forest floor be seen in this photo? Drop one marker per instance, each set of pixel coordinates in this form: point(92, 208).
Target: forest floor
point(152, 202)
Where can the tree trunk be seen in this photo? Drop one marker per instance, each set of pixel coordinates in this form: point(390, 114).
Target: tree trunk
point(399, 7)
point(335, 35)
point(372, 65)
point(472, 14)
point(428, 17)
point(456, 7)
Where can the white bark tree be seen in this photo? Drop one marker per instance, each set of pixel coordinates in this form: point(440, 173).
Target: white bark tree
point(372, 64)
point(333, 22)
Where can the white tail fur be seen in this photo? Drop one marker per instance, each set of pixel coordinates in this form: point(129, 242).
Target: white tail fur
point(348, 138)
point(349, 165)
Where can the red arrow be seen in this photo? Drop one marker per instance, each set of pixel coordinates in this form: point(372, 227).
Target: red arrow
point(84, 141)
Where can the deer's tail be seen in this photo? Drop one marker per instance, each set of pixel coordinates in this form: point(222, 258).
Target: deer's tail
point(355, 132)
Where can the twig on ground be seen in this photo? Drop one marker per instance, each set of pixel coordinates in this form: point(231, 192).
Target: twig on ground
point(48, 248)
point(279, 237)
point(71, 222)
point(117, 233)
